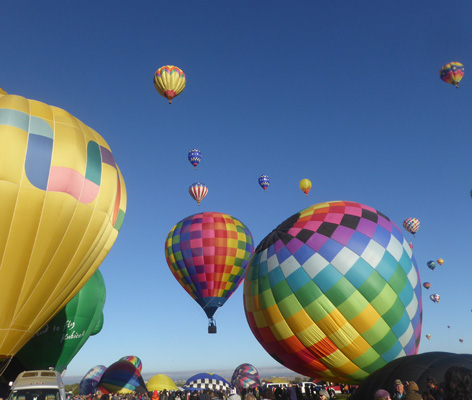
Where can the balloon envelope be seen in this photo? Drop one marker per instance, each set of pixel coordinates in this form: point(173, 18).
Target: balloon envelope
point(198, 191)
point(245, 376)
point(88, 384)
point(194, 156)
point(206, 381)
point(63, 202)
point(435, 298)
point(440, 261)
point(334, 292)
point(264, 181)
point(431, 265)
point(57, 343)
point(136, 361)
point(452, 73)
point(305, 186)
point(122, 377)
point(208, 254)
point(411, 225)
point(169, 81)
point(426, 285)
point(160, 382)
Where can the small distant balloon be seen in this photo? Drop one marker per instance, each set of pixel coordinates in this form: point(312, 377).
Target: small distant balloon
point(426, 285)
point(452, 73)
point(198, 191)
point(461, 340)
point(305, 186)
point(194, 156)
point(449, 326)
point(440, 261)
point(435, 298)
point(264, 181)
point(169, 81)
point(411, 225)
point(428, 337)
point(411, 245)
point(431, 265)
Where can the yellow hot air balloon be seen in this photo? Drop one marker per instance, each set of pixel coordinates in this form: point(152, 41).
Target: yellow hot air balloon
point(160, 382)
point(62, 205)
point(305, 186)
point(169, 81)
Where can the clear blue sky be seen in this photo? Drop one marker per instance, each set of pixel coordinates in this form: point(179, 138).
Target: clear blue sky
point(345, 93)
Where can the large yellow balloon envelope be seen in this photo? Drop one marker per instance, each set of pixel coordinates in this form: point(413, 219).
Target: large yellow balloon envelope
point(305, 186)
point(160, 382)
point(62, 203)
point(169, 81)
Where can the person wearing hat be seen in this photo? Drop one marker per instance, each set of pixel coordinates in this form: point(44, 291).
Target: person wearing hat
point(399, 390)
point(381, 394)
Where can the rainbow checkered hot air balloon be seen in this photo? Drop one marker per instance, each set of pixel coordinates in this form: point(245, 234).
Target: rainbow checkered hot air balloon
point(208, 253)
point(136, 361)
point(452, 73)
point(334, 292)
point(169, 81)
point(411, 225)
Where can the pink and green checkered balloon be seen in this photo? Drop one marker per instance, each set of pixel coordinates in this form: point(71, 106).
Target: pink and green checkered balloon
point(334, 292)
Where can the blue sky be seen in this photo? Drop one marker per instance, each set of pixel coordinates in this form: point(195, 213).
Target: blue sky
point(344, 93)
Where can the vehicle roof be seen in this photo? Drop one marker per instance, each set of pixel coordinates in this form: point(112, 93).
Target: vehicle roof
point(37, 378)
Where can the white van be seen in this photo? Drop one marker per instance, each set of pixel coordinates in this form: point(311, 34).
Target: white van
point(38, 385)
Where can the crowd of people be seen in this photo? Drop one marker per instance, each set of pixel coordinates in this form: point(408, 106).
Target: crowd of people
point(457, 385)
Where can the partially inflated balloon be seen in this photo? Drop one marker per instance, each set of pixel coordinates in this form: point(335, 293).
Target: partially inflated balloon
point(136, 361)
point(198, 191)
point(334, 292)
point(208, 254)
point(264, 181)
point(122, 377)
point(169, 81)
point(160, 382)
point(88, 384)
point(305, 186)
point(245, 376)
point(63, 202)
point(57, 343)
point(207, 381)
point(452, 73)
point(194, 156)
point(411, 225)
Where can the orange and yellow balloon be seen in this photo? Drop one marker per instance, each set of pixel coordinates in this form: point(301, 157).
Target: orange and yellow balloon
point(169, 81)
point(440, 261)
point(305, 186)
point(62, 205)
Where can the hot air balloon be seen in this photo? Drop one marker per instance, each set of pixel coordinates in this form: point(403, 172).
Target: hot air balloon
point(449, 326)
point(411, 225)
point(208, 254)
point(88, 384)
point(452, 73)
point(136, 361)
point(411, 245)
point(426, 285)
point(461, 340)
point(264, 181)
point(198, 191)
point(435, 298)
point(440, 261)
point(245, 376)
point(207, 381)
point(322, 279)
point(428, 337)
point(305, 186)
point(57, 343)
point(160, 382)
point(62, 205)
point(431, 265)
point(169, 81)
point(194, 156)
point(122, 377)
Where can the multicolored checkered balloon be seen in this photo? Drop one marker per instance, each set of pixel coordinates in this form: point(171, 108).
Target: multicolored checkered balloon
point(411, 225)
point(452, 73)
point(334, 292)
point(245, 376)
point(208, 254)
point(136, 361)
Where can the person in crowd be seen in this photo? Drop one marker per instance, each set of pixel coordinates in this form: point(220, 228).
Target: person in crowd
point(427, 395)
point(433, 387)
point(250, 396)
point(458, 383)
point(399, 390)
point(292, 393)
point(267, 394)
point(412, 391)
point(381, 394)
point(324, 395)
point(234, 395)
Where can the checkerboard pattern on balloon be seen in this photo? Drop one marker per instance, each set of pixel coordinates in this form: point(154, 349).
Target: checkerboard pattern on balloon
point(334, 292)
point(208, 254)
point(212, 384)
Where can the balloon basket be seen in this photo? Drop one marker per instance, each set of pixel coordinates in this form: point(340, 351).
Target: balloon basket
point(211, 325)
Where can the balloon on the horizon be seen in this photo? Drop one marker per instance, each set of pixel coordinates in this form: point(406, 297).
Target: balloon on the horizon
point(245, 376)
point(208, 253)
point(428, 337)
point(431, 265)
point(452, 73)
point(411, 225)
point(161, 382)
point(264, 181)
point(198, 191)
point(194, 156)
point(169, 81)
point(122, 377)
point(57, 343)
point(426, 285)
point(89, 383)
point(207, 381)
point(435, 298)
point(440, 261)
point(62, 205)
point(305, 186)
point(136, 361)
point(322, 279)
